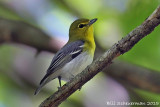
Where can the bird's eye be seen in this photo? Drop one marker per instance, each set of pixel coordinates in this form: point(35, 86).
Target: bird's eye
point(81, 25)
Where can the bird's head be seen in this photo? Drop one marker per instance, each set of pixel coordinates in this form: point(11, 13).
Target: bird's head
point(81, 29)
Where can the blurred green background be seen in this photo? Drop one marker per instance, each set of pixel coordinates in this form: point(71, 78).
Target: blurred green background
point(21, 68)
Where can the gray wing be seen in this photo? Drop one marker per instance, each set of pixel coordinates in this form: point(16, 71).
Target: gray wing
point(65, 55)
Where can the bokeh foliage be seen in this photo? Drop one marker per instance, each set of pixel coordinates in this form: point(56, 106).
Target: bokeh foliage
point(114, 22)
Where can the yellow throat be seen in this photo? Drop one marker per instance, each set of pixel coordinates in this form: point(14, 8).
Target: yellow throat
point(82, 29)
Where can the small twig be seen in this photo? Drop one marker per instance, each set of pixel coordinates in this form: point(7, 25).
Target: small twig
point(99, 64)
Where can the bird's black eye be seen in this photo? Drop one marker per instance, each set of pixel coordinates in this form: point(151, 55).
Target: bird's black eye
point(81, 25)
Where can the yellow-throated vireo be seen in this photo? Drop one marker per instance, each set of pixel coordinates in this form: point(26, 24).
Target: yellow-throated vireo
point(75, 56)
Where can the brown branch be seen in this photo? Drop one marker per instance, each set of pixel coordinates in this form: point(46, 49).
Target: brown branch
point(105, 60)
point(23, 33)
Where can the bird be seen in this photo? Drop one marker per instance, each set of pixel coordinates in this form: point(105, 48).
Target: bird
point(74, 56)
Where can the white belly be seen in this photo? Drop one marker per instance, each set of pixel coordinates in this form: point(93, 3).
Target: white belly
point(76, 66)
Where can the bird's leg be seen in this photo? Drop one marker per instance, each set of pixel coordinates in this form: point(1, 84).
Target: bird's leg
point(59, 78)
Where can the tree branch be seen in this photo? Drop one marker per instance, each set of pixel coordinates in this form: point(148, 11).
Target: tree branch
point(20, 32)
point(105, 60)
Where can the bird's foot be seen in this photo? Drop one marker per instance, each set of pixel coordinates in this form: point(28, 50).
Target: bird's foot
point(59, 88)
point(80, 88)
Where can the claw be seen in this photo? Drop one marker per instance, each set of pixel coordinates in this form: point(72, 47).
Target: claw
point(80, 88)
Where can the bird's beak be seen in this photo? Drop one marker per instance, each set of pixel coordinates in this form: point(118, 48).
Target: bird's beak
point(92, 21)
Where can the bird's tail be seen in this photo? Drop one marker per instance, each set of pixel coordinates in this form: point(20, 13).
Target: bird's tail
point(38, 90)
point(42, 83)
